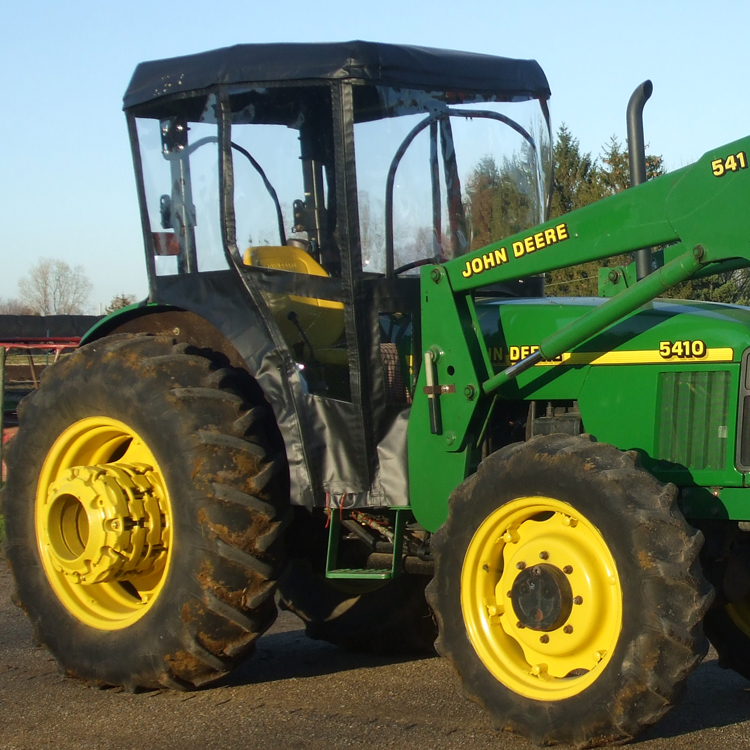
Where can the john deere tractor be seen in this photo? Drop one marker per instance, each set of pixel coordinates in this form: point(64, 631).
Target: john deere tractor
point(346, 392)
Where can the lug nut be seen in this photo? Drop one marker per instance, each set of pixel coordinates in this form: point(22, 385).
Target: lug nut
point(520, 625)
point(544, 555)
point(521, 565)
point(568, 629)
point(577, 600)
point(485, 567)
point(568, 569)
point(544, 638)
point(509, 594)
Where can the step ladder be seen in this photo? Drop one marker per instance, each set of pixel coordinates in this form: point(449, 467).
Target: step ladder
point(402, 516)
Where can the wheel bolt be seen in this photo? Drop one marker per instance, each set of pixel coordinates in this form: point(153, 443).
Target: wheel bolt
point(485, 567)
point(577, 600)
point(568, 569)
point(520, 625)
point(544, 638)
point(509, 594)
point(521, 565)
point(568, 629)
point(544, 555)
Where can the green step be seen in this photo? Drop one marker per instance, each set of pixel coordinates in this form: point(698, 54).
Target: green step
point(362, 573)
point(402, 514)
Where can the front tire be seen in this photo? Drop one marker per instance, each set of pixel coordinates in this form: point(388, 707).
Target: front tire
point(144, 514)
point(568, 592)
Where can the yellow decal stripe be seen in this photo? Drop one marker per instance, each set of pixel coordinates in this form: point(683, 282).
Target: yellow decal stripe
point(642, 357)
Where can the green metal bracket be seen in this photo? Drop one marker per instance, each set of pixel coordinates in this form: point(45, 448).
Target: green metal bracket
point(402, 515)
point(613, 280)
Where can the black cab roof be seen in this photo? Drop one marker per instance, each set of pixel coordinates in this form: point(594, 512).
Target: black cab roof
point(385, 64)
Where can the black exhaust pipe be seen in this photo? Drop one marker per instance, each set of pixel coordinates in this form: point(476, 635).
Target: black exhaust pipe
point(637, 157)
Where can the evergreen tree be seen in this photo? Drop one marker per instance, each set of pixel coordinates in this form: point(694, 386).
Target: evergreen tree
point(498, 205)
point(581, 181)
point(576, 182)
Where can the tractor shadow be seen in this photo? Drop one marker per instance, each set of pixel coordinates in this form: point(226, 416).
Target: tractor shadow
point(285, 652)
point(714, 698)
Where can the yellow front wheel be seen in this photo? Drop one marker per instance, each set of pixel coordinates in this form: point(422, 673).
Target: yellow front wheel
point(541, 598)
point(550, 597)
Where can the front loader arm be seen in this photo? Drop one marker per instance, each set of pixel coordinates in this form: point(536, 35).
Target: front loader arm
point(693, 205)
point(701, 209)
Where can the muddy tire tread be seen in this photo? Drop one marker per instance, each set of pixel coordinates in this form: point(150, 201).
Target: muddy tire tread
point(219, 418)
point(673, 587)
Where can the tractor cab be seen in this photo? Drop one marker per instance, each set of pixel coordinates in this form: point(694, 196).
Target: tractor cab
point(290, 193)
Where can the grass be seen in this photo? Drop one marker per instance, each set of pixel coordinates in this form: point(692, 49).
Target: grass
point(23, 359)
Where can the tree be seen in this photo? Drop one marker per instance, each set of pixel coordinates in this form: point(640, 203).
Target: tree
point(579, 181)
point(52, 287)
point(14, 307)
point(614, 175)
point(576, 176)
point(119, 301)
point(499, 202)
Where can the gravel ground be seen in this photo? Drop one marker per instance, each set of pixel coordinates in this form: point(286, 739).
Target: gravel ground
point(297, 693)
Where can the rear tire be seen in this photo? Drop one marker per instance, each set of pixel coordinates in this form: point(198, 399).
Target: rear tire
point(615, 629)
point(185, 611)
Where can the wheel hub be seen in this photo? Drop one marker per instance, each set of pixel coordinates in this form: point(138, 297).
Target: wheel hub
point(542, 598)
point(105, 522)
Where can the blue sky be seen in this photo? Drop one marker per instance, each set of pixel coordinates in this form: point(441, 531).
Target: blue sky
point(67, 189)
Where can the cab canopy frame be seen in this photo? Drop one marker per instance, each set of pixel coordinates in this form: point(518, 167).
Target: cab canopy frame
point(344, 431)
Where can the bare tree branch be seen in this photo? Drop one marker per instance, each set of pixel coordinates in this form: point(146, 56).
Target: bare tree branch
point(52, 287)
point(14, 307)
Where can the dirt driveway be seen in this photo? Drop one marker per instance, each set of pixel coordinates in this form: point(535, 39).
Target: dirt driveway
point(296, 694)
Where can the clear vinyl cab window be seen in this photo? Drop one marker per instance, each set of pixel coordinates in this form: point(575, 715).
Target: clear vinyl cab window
point(442, 173)
point(179, 151)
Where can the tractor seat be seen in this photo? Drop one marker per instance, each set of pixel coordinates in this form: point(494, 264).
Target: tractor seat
point(322, 320)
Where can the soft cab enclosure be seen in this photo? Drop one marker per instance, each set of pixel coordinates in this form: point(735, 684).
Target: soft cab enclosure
point(289, 194)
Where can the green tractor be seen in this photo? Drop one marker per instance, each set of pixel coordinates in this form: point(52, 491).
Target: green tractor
point(347, 393)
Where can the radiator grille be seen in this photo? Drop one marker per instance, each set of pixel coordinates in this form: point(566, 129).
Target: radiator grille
point(693, 419)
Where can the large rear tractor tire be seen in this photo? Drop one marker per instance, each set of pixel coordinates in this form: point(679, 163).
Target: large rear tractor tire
point(144, 514)
point(568, 592)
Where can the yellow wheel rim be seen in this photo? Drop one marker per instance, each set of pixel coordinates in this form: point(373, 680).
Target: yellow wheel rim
point(541, 598)
point(103, 523)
